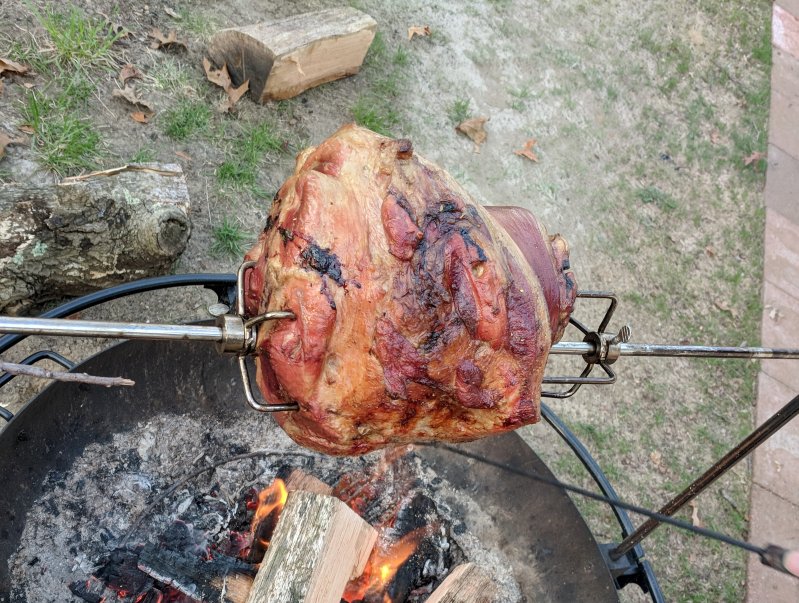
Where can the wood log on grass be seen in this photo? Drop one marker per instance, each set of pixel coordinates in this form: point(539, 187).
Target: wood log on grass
point(318, 545)
point(90, 232)
point(283, 58)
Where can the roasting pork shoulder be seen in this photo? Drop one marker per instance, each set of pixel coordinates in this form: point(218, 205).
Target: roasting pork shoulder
point(420, 315)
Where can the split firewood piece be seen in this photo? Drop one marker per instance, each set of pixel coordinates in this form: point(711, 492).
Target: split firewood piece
point(465, 584)
point(235, 588)
point(318, 545)
point(90, 232)
point(299, 480)
point(283, 58)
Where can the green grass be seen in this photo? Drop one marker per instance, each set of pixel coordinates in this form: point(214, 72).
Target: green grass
point(195, 23)
point(459, 110)
point(240, 169)
point(78, 41)
point(652, 194)
point(229, 239)
point(386, 72)
point(170, 75)
point(24, 50)
point(64, 141)
point(143, 155)
point(186, 119)
point(375, 114)
point(402, 57)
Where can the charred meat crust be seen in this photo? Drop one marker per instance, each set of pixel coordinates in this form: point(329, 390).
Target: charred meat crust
point(445, 331)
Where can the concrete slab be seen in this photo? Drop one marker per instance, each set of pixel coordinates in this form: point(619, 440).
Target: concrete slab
point(791, 6)
point(776, 461)
point(780, 329)
point(771, 523)
point(784, 122)
point(784, 72)
point(785, 30)
point(781, 251)
point(782, 183)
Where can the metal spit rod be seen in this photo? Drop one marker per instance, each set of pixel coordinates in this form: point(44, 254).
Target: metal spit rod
point(215, 334)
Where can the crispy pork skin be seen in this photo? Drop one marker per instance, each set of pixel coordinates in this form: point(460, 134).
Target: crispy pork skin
point(420, 315)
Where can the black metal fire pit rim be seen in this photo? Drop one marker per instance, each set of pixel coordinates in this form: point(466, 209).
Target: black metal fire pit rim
point(638, 570)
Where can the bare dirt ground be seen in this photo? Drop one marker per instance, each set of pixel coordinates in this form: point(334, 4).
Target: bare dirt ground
point(643, 114)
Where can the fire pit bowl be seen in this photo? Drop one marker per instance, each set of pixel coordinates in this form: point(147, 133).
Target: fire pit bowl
point(552, 553)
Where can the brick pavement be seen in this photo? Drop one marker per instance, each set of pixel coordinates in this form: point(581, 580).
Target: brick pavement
point(775, 490)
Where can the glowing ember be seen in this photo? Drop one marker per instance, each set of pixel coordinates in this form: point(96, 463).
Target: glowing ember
point(386, 559)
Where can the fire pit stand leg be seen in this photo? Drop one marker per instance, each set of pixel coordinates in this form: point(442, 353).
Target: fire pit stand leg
point(632, 568)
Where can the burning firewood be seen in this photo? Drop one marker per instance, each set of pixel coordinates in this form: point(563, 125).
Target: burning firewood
point(299, 480)
point(465, 584)
point(318, 545)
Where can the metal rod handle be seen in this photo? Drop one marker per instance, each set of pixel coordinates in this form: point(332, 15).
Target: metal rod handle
point(685, 351)
point(113, 330)
point(752, 441)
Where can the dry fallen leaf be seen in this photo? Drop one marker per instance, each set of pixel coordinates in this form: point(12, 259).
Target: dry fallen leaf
point(474, 128)
point(233, 96)
point(715, 136)
point(141, 117)
point(7, 65)
point(697, 523)
point(725, 307)
point(710, 251)
point(114, 28)
point(183, 155)
point(774, 313)
point(527, 150)
point(221, 78)
point(657, 459)
point(129, 72)
point(5, 141)
point(165, 41)
point(754, 158)
point(418, 30)
point(129, 94)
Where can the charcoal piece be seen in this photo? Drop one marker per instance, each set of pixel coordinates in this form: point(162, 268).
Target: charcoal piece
point(420, 513)
point(121, 572)
point(118, 579)
point(96, 591)
point(190, 575)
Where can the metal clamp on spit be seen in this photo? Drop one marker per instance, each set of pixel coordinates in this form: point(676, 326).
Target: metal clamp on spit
point(601, 348)
point(239, 335)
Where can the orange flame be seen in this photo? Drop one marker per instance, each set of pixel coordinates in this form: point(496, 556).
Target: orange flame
point(385, 560)
point(270, 499)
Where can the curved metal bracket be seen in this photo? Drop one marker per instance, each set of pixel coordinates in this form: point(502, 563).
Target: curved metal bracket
point(605, 353)
point(248, 393)
point(242, 330)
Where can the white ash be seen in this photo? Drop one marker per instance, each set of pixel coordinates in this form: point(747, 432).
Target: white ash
point(87, 511)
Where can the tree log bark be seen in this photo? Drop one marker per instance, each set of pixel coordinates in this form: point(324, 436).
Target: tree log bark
point(90, 232)
point(318, 545)
point(285, 57)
